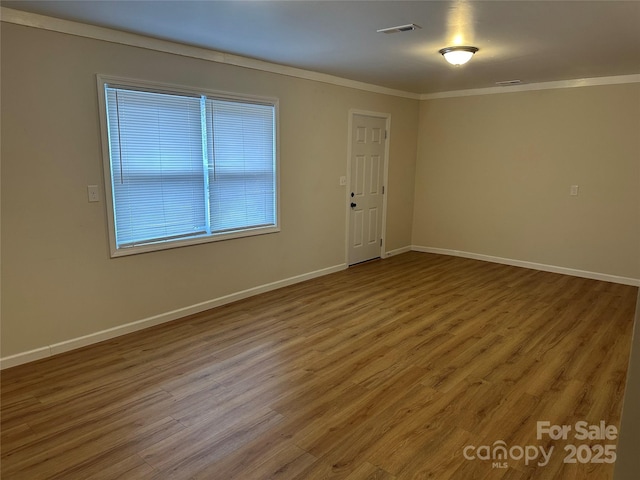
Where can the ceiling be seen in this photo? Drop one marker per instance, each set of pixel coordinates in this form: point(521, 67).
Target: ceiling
point(531, 41)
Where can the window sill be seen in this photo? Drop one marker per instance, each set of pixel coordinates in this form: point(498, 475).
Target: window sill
point(166, 245)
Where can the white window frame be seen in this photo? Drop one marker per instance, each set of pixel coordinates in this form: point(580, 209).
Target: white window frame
point(103, 80)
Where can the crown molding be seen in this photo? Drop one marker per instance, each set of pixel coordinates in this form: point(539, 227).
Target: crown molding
point(78, 29)
point(580, 82)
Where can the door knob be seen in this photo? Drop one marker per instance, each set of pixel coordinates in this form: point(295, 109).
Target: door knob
point(353, 205)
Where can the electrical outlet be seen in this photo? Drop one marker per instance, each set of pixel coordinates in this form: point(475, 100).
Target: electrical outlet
point(92, 193)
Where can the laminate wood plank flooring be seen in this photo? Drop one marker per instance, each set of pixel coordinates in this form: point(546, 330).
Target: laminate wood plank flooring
point(387, 370)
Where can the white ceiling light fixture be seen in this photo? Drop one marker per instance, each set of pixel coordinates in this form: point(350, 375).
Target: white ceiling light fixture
point(458, 55)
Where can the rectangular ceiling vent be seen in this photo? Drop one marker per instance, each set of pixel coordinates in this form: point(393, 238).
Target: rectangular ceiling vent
point(400, 28)
point(508, 83)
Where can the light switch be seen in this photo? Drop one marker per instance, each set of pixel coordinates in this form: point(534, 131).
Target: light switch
point(92, 193)
point(343, 180)
point(573, 190)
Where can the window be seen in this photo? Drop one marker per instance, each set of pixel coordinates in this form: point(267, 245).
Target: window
point(185, 167)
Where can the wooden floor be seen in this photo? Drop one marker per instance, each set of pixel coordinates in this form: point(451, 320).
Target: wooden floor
point(387, 370)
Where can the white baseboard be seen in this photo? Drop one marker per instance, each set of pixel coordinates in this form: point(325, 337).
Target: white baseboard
point(397, 251)
point(74, 343)
point(25, 357)
point(535, 266)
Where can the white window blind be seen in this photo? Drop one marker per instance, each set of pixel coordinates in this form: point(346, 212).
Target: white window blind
point(241, 173)
point(186, 166)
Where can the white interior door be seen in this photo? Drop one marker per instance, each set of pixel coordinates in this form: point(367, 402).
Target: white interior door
point(366, 188)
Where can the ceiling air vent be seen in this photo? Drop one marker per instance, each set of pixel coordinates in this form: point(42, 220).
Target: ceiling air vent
point(508, 83)
point(400, 28)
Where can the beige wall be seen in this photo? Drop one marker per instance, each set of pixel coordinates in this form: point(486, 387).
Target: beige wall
point(628, 462)
point(58, 282)
point(493, 176)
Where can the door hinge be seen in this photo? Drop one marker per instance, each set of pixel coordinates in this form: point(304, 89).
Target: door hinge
point(383, 189)
point(380, 242)
point(385, 134)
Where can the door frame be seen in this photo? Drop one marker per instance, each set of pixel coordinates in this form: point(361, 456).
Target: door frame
point(387, 117)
